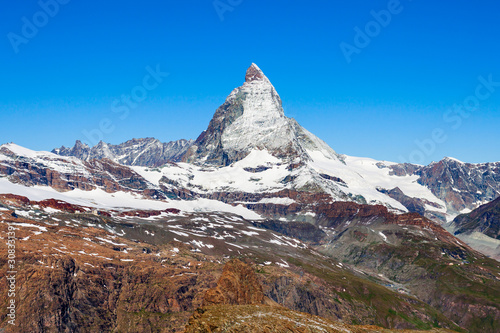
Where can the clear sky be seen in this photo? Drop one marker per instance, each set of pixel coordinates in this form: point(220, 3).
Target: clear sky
point(395, 91)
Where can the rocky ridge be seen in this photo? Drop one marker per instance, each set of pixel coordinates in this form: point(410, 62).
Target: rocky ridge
point(136, 152)
point(480, 228)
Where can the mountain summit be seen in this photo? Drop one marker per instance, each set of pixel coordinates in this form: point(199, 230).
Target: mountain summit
point(252, 117)
point(255, 73)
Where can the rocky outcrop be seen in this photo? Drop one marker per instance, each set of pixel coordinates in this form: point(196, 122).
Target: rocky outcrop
point(304, 231)
point(238, 285)
point(462, 185)
point(480, 228)
point(79, 150)
point(17, 201)
point(148, 213)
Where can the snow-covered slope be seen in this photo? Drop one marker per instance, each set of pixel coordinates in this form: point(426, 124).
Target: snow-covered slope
point(65, 173)
point(350, 179)
point(121, 200)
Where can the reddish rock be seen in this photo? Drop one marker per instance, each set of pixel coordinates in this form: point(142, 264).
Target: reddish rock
point(60, 205)
point(14, 200)
point(238, 285)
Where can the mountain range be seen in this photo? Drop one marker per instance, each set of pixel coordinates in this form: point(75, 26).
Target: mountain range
point(153, 226)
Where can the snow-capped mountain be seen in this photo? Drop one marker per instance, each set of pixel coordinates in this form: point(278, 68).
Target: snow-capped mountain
point(145, 218)
point(463, 186)
point(251, 150)
point(142, 152)
point(252, 118)
point(251, 158)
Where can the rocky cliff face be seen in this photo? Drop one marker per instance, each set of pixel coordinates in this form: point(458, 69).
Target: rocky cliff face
point(238, 285)
point(480, 228)
point(462, 185)
point(148, 152)
point(484, 219)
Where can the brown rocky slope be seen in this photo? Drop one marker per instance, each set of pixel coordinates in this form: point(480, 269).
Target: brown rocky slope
point(237, 305)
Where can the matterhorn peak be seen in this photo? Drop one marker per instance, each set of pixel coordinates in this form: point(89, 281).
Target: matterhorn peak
point(252, 118)
point(254, 73)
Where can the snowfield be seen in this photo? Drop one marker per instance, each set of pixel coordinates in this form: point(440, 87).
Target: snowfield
point(122, 200)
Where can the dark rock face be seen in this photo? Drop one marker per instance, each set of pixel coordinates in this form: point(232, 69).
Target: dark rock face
point(403, 169)
point(414, 205)
point(208, 145)
point(79, 150)
point(485, 219)
point(148, 152)
point(254, 73)
point(335, 179)
point(459, 185)
point(304, 231)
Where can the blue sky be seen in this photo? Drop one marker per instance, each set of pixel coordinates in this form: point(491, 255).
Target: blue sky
point(400, 86)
